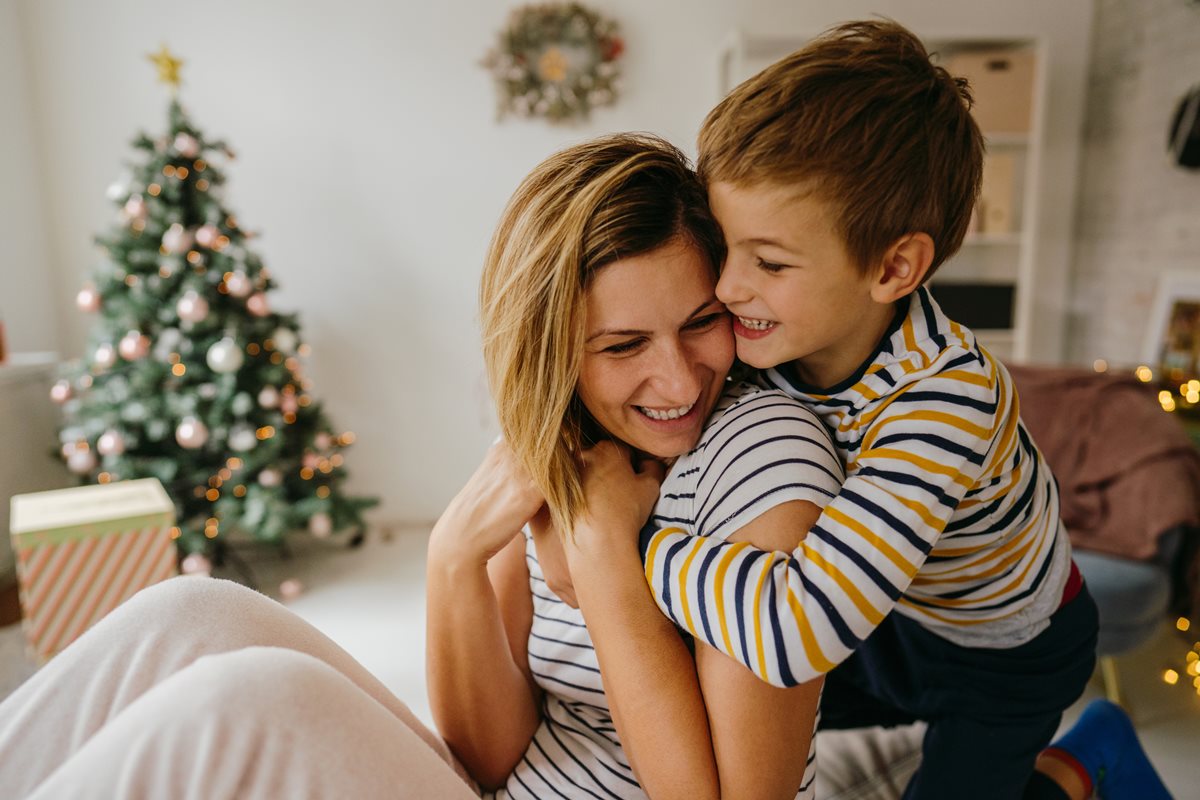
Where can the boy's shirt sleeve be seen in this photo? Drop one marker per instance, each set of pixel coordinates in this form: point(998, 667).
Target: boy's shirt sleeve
point(790, 617)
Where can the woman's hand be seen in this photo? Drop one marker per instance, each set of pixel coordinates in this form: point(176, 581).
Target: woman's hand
point(489, 511)
point(618, 499)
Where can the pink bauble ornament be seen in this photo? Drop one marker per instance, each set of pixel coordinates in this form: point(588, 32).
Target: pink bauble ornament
point(322, 441)
point(310, 460)
point(196, 564)
point(206, 235)
point(61, 392)
point(192, 307)
point(177, 239)
point(186, 145)
point(134, 345)
point(320, 525)
point(135, 207)
point(105, 356)
point(290, 589)
point(110, 443)
point(270, 478)
point(257, 305)
point(288, 404)
point(191, 433)
point(268, 397)
point(82, 461)
point(88, 298)
point(239, 284)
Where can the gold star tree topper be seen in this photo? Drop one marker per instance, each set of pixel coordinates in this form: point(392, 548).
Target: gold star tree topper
point(168, 67)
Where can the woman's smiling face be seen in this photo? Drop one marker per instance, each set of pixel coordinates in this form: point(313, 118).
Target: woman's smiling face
point(657, 347)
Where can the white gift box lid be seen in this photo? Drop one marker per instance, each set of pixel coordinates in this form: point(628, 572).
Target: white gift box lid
point(90, 510)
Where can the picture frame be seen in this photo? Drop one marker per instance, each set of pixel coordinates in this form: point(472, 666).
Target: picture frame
point(1172, 342)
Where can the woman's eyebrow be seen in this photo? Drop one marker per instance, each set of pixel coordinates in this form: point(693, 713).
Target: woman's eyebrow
point(633, 332)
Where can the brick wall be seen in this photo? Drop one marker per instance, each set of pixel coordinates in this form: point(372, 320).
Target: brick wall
point(1138, 214)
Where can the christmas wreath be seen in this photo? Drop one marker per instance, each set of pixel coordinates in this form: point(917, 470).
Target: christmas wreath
point(555, 60)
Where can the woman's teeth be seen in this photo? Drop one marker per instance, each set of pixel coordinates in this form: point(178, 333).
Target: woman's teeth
point(756, 324)
point(668, 413)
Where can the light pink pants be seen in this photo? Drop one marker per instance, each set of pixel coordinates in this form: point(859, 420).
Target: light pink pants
point(201, 688)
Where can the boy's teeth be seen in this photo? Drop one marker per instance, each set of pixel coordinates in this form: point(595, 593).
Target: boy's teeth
point(755, 324)
point(668, 413)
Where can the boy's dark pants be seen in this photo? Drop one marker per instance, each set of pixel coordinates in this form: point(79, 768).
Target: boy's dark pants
point(990, 712)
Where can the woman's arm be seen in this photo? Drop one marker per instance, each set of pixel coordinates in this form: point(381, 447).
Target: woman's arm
point(478, 616)
point(649, 676)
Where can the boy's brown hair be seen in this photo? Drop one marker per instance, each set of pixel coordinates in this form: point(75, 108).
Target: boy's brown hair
point(863, 118)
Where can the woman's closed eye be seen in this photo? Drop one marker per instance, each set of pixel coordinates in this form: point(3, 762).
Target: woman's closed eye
point(622, 348)
point(771, 266)
point(706, 322)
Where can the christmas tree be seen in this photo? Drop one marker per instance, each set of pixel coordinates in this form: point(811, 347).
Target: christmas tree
point(189, 376)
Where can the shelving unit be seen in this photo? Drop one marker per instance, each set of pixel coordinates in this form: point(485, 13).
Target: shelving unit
point(990, 284)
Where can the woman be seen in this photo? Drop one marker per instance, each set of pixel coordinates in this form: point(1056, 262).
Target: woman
point(600, 322)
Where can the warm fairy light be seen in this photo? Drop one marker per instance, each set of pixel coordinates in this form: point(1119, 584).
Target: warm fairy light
point(176, 533)
point(1144, 374)
point(252, 348)
point(178, 370)
point(212, 495)
point(289, 417)
point(239, 491)
point(291, 363)
point(164, 271)
point(265, 432)
point(348, 438)
point(169, 171)
point(211, 533)
point(138, 225)
point(103, 477)
point(276, 358)
point(181, 172)
point(198, 491)
point(323, 492)
point(1183, 624)
point(306, 473)
point(1191, 656)
point(227, 276)
point(1171, 677)
point(154, 190)
point(325, 466)
point(1193, 669)
point(305, 401)
point(234, 462)
point(1100, 365)
point(131, 281)
point(212, 522)
point(222, 242)
point(222, 288)
point(337, 459)
point(304, 350)
point(230, 221)
point(1164, 397)
point(199, 165)
point(193, 256)
point(225, 474)
point(214, 482)
point(268, 344)
point(202, 185)
point(173, 358)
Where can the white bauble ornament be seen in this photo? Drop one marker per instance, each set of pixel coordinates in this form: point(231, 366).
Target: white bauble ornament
point(192, 307)
point(270, 478)
point(134, 345)
point(88, 298)
point(239, 284)
point(242, 438)
point(191, 433)
point(242, 404)
point(105, 356)
point(207, 235)
point(135, 208)
point(285, 340)
point(177, 239)
point(257, 305)
point(110, 443)
point(186, 145)
point(61, 391)
point(320, 525)
point(82, 461)
point(196, 564)
point(268, 397)
point(225, 356)
point(118, 188)
point(207, 391)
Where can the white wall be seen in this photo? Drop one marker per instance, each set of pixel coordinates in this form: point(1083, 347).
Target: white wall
point(370, 159)
point(27, 277)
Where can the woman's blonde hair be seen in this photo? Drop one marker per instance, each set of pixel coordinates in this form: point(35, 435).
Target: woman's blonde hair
point(583, 208)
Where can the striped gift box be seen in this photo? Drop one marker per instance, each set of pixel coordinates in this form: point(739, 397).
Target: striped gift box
point(82, 552)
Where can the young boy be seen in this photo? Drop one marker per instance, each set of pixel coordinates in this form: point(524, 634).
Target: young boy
point(938, 585)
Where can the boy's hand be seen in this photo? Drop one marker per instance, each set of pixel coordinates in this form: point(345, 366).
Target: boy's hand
point(489, 511)
point(619, 498)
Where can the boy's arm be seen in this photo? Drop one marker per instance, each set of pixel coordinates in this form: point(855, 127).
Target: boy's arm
point(790, 617)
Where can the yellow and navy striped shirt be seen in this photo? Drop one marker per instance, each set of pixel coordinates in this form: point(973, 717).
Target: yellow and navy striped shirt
point(949, 515)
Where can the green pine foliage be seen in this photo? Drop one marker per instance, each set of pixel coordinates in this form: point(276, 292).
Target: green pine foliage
point(189, 376)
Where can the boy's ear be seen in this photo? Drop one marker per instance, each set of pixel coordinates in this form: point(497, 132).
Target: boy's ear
point(904, 267)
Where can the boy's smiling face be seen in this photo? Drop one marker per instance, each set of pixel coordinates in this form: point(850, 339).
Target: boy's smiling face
point(795, 293)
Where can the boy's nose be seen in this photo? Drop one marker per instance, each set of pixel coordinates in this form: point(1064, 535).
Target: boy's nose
point(730, 286)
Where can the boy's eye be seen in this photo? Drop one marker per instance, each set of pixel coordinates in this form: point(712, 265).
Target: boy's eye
point(623, 347)
point(705, 322)
point(770, 266)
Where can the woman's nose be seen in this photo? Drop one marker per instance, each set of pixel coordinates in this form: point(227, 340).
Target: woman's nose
point(677, 375)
